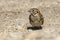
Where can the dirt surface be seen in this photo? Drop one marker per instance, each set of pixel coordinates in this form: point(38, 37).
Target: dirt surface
point(14, 20)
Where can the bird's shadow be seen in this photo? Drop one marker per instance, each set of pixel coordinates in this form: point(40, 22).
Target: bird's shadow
point(35, 28)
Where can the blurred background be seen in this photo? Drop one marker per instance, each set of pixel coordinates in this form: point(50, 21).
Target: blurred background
point(14, 20)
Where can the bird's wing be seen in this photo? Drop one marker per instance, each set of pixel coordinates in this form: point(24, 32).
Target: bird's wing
point(42, 19)
point(30, 19)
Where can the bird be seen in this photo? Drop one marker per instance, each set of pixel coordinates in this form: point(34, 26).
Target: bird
point(36, 19)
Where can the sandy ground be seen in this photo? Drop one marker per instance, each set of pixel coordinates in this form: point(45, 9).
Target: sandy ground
point(14, 20)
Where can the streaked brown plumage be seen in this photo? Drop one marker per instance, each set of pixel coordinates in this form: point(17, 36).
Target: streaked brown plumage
point(36, 19)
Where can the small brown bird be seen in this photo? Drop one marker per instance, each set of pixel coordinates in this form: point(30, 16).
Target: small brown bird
point(36, 19)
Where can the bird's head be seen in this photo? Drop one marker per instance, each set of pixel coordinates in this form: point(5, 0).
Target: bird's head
point(34, 11)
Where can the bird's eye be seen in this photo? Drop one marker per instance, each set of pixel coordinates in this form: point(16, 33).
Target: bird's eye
point(37, 11)
point(32, 10)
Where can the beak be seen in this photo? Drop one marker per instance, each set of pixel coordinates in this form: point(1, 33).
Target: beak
point(30, 10)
